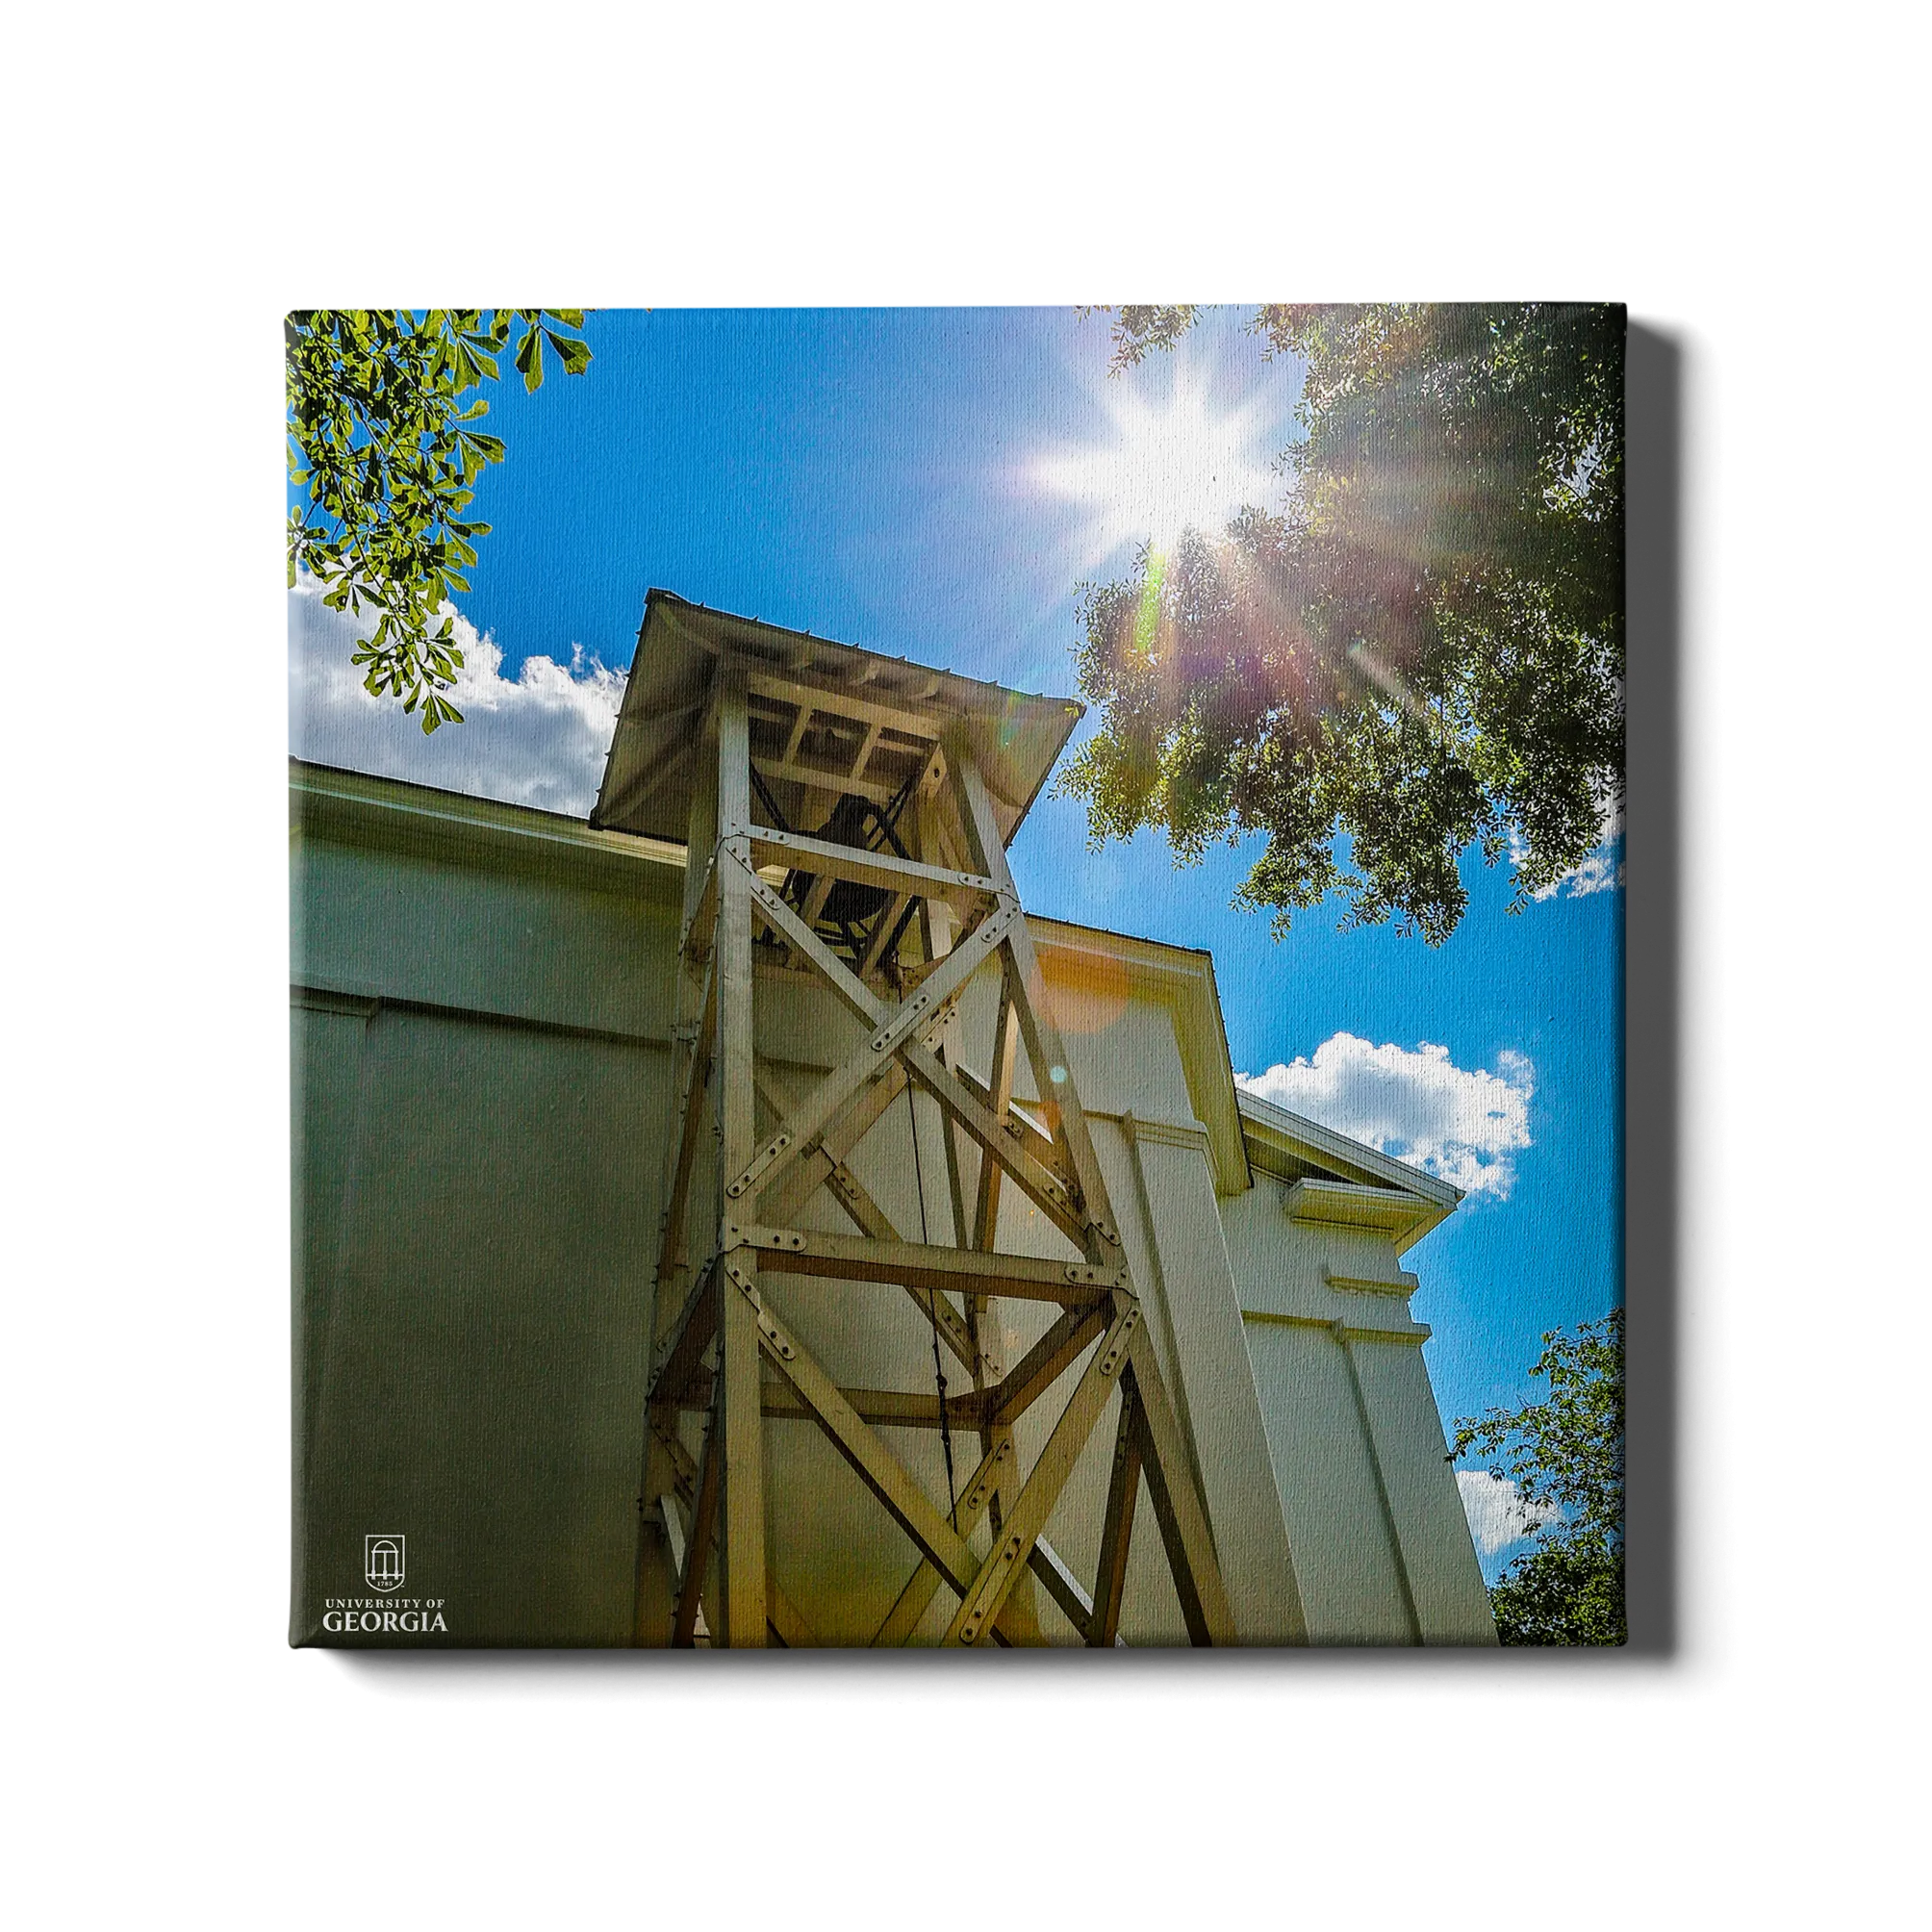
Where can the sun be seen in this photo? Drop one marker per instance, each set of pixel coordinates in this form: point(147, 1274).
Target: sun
point(1174, 462)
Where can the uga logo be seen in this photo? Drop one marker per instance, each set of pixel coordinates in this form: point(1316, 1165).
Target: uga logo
point(382, 1562)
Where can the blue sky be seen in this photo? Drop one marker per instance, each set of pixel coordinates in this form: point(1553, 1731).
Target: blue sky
point(937, 484)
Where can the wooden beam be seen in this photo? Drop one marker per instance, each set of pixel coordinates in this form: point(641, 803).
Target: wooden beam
point(1040, 1183)
point(983, 1232)
point(880, 1407)
point(683, 1345)
point(796, 927)
point(655, 1575)
point(938, 920)
point(740, 1424)
point(1053, 1071)
point(871, 1219)
point(923, 1585)
point(1045, 1481)
point(676, 1544)
point(698, 1547)
point(1048, 1360)
point(895, 1027)
point(1117, 1523)
point(839, 700)
point(1177, 1507)
point(883, 933)
point(815, 1168)
point(694, 932)
point(683, 1465)
point(1062, 1585)
point(682, 1148)
point(783, 1622)
point(885, 870)
point(801, 725)
point(823, 778)
point(881, 1471)
point(851, 1258)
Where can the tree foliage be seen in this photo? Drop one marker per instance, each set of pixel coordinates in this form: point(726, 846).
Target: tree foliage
point(381, 441)
point(1566, 1456)
point(1419, 650)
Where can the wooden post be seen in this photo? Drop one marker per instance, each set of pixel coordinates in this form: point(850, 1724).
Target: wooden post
point(742, 1544)
point(693, 1021)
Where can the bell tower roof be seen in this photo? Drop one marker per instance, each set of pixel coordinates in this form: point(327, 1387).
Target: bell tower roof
point(824, 717)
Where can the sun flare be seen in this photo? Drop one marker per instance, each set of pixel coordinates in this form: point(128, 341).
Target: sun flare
point(1174, 462)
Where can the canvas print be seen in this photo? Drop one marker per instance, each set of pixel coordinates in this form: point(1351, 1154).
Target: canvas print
point(957, 975)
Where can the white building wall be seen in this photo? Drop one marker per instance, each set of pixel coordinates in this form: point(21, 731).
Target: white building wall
point(1306, 1407)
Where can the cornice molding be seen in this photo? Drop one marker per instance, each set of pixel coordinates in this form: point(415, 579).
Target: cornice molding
point(1404, 1215)
point(1344, 1332)
point(1270, 1127)
point(391, 814)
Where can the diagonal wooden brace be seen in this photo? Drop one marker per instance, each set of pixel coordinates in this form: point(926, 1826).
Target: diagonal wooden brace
point(1048, 1478)
point(875, 1464)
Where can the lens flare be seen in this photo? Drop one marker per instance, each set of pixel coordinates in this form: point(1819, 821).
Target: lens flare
point(1174, 462)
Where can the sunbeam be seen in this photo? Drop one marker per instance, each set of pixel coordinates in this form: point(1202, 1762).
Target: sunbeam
point(1175, 461)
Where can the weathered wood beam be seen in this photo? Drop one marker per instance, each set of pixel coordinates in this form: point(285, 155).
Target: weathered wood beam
point(880, 1407)
point(1048, 1360)
point(683, 1344)
point(883, 933)
point(1053, 1071)
point(832, 699)
point(1117, 1522)
point(834, 1147)
point(874, 1463)
point(682, 1147)
point(849, 1257)
point(981, 1603)
point(1062, 1585)
point(740, 1424)
point(698, 1546)
point(1177, 1506)
point(894, 1028)
point(801, 725)
point(885, 870)
point(783, 1622)
point(825, 778)
point(923, 1585)
point(1040, 1183)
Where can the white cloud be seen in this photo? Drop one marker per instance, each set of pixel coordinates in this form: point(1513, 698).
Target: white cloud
point(1497, 1512)
point(1602, 871)
point(1464, 1125)
point(537, 739)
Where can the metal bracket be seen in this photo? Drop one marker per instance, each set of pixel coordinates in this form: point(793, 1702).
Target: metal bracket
point(989, 1479)
point(761, 1160)
point(787, 1240)
point(1005, 1558)
point(775, 1336)
point(1109, 1362)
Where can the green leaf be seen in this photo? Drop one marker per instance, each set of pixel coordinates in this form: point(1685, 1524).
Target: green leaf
point(576, 355)
point(530, 358)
